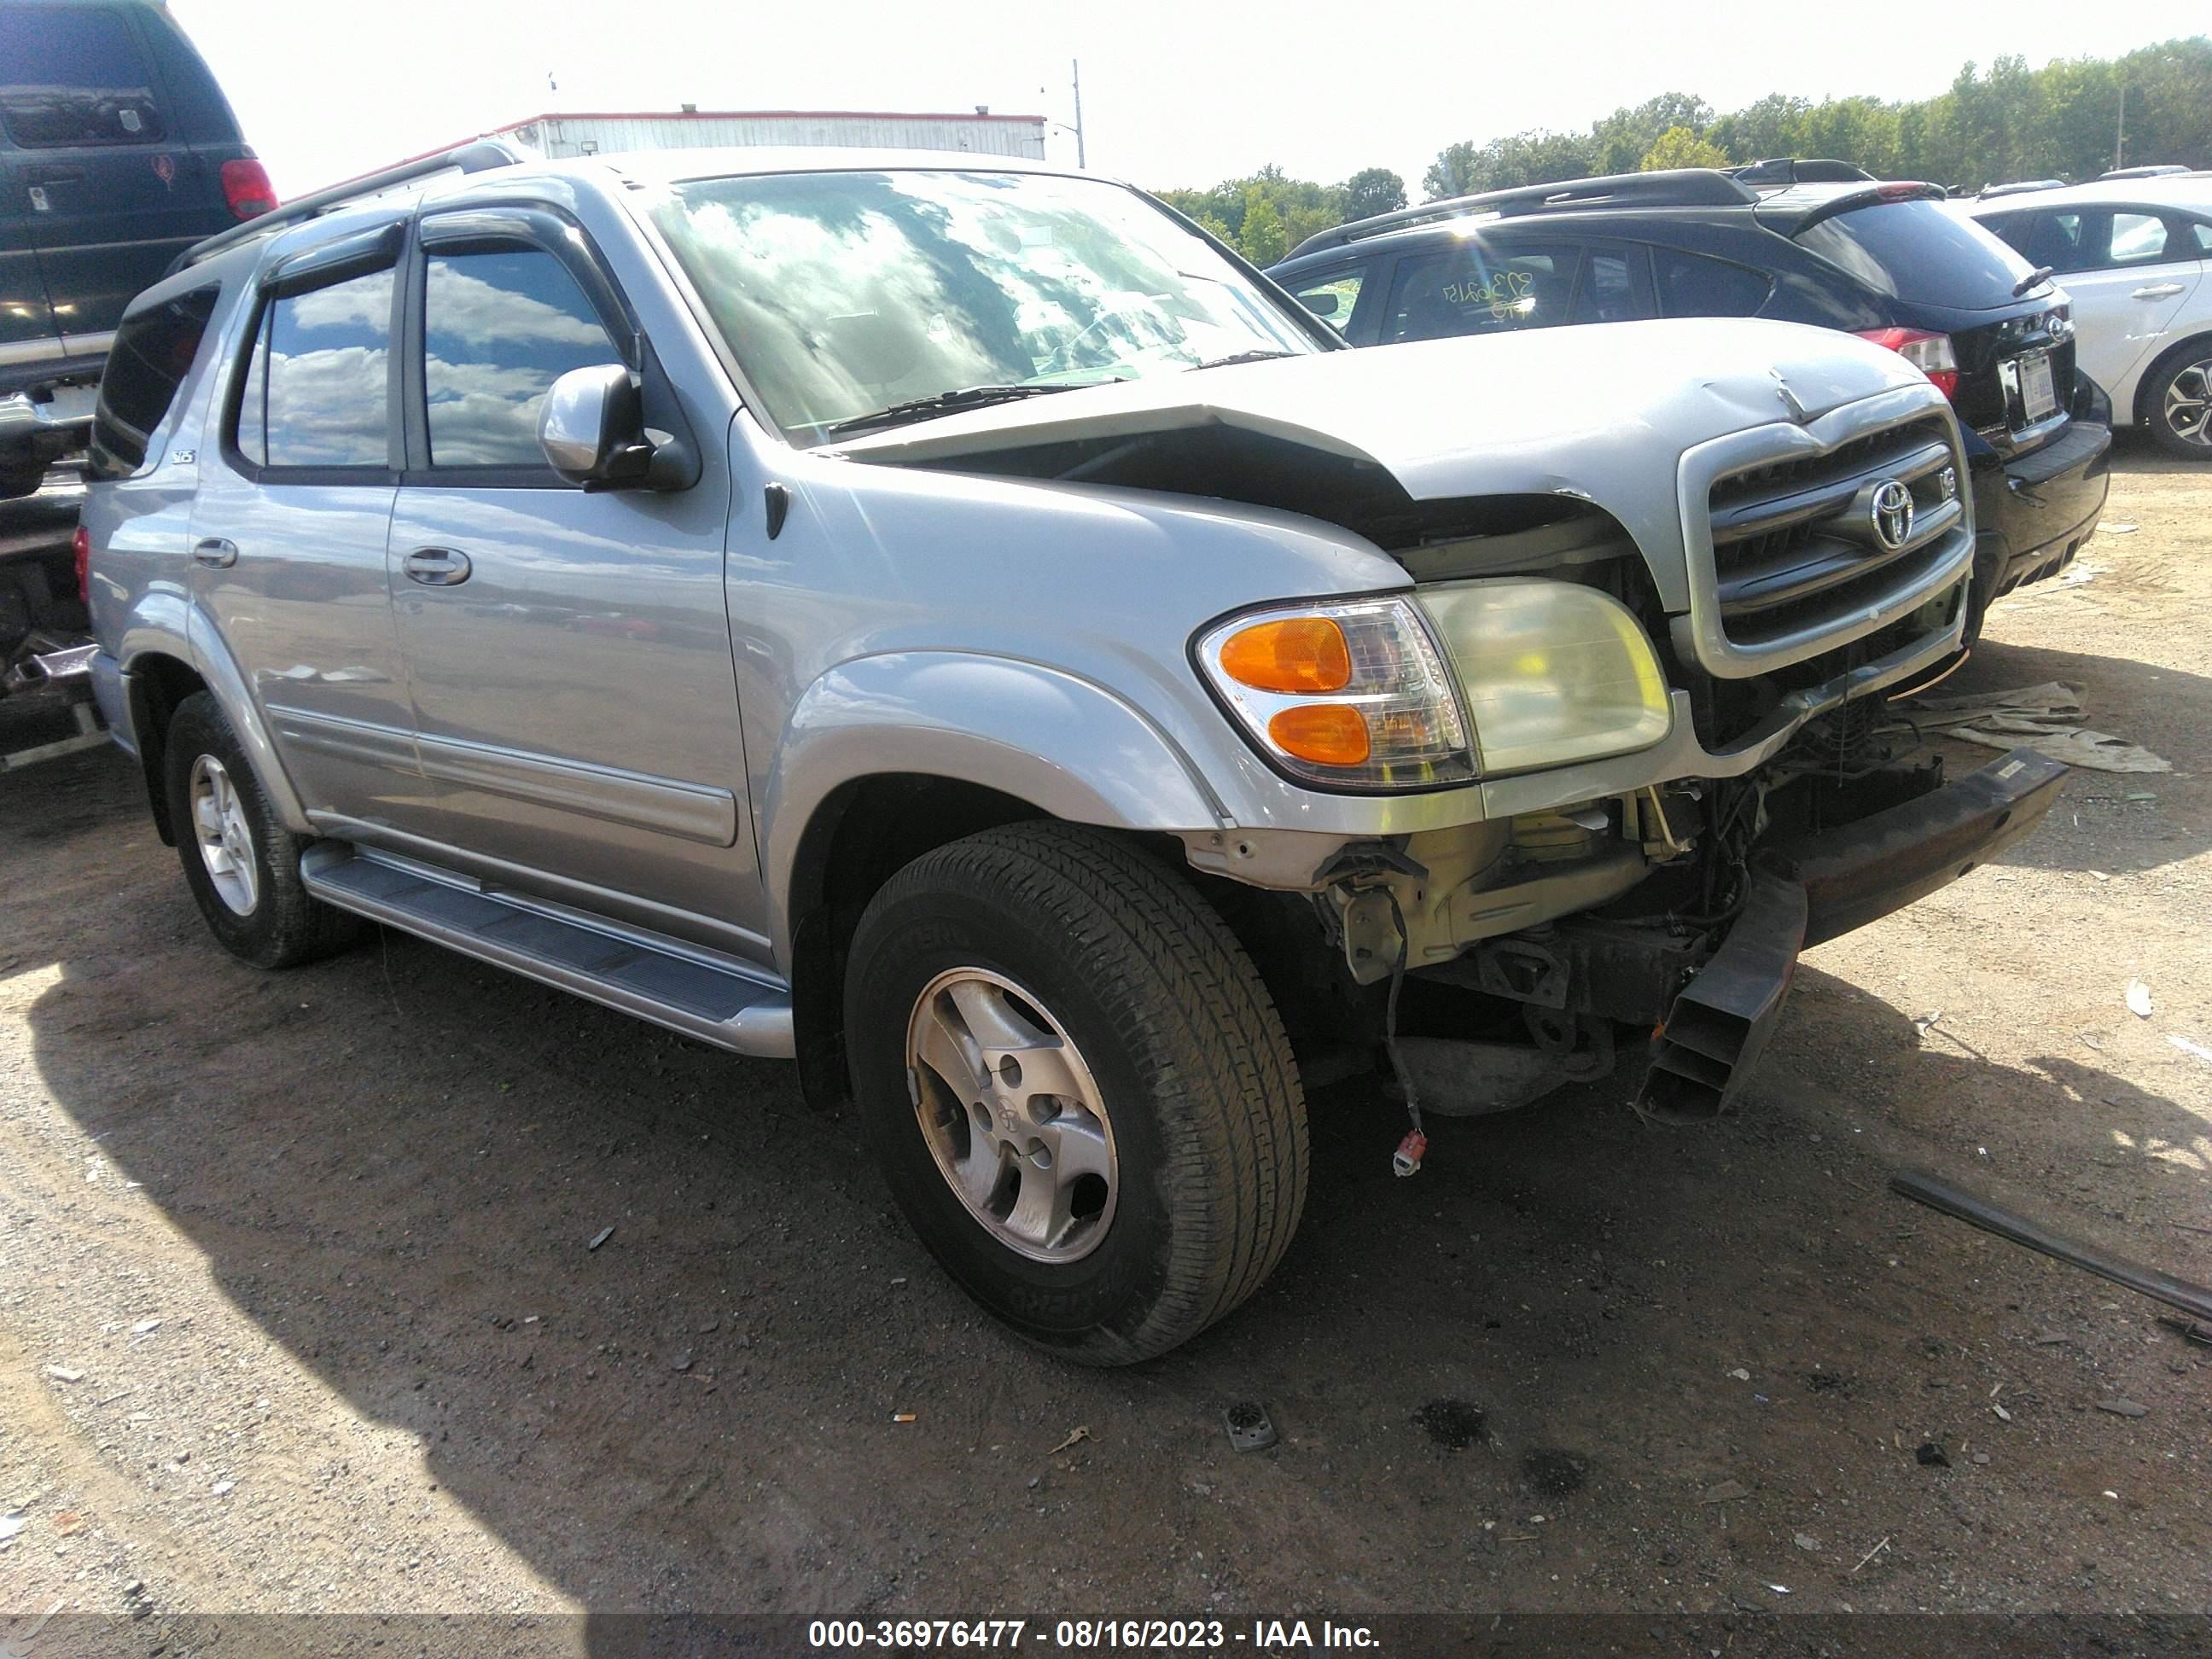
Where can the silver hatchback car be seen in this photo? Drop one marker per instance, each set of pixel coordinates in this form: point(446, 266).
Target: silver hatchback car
point(956, 625)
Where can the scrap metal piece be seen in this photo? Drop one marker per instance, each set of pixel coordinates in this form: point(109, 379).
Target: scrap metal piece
point(1249, 1427)
point(1925, 1188)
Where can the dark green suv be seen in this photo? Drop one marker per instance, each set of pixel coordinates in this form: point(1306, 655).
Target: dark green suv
point(117, 151)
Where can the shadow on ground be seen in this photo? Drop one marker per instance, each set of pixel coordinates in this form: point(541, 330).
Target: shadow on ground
point(392, 1160)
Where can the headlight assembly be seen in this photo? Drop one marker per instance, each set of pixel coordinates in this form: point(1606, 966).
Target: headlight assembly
point(1357, 694)
point(1550, 672)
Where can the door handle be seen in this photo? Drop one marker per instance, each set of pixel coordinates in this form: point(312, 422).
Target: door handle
point(214, 553)
point(436, 566)
point(55, 175)
point(2157, 291)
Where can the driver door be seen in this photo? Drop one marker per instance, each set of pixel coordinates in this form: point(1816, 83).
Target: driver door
point(567, 653)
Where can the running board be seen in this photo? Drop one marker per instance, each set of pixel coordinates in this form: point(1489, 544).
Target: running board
point(653, 979)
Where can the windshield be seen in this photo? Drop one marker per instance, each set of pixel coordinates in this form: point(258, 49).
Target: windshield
point(842, 294)
point(1921, 254)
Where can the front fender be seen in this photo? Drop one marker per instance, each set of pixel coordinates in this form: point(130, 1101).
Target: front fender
point(1069, 747)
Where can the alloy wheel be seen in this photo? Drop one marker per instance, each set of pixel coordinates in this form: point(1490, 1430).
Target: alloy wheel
point(1011, 1114)
point(2188, 411)
point(226, 841)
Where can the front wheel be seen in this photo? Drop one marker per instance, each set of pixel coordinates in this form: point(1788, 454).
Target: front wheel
point(240, 862)
point(2178, 404)
point(1077, 1087)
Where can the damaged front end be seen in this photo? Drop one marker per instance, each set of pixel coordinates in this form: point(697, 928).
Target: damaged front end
point(1739, 792)
point(1677, 910)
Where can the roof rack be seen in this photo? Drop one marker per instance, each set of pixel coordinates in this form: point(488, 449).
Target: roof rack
point(2019, 187)
point(478, 155)
point(1673, 187)
point(1780, 170)
point(2160, 170)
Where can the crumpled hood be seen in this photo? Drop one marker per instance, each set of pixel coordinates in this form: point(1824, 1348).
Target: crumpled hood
point(1602, 412)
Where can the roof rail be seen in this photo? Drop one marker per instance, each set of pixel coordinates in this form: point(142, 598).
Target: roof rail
point(1673, 187)
point(478, 156)
point(1784, 170)
point(2160, 170)
point(2019, 187)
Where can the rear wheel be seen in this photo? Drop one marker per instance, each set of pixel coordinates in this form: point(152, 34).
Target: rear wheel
point(1077, 1088)
point(240, 862)
point(2178, 403)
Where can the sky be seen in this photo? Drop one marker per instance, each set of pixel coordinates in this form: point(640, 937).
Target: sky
point(1175, 93)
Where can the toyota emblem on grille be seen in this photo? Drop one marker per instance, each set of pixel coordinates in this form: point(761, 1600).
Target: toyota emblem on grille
point(1893, 514)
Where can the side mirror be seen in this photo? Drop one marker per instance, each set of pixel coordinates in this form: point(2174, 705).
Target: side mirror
point(592, 427)
point(1324, 304)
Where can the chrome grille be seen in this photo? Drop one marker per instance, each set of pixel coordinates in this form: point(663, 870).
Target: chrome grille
point(1796, 547)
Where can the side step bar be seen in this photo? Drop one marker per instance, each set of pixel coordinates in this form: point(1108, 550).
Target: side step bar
point(656, 980)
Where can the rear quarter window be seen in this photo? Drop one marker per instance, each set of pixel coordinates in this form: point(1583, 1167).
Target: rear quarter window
point(154, 352)
point(74, 77)
point(1691, 285)
point(1916, 252)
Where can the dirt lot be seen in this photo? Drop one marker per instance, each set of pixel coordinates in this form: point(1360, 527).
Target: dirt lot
point(297, 1313)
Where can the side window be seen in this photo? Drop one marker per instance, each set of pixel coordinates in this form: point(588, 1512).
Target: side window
point(1612, 289)
point(73, 75)
point(153, 352)
point(2011, 228)
point(315, 394)
point(498, 328)
point(1332, 296)
point(2138, 238)
point(1472, 289)
point(2202, 233)
point(1691, 285)
point(2053, 240)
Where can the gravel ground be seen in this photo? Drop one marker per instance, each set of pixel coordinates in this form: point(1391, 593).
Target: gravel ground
point(298, 1313)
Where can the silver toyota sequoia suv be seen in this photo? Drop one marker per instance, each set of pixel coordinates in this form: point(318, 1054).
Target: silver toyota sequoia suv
point(954, 625)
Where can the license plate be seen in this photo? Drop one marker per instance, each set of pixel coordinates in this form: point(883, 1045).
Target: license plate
point(2038, 400)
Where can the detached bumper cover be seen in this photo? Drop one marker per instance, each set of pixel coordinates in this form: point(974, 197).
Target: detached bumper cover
point(1807, 891)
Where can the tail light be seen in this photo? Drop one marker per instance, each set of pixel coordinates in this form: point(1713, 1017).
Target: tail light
point(1931, 353)
point(81, 551)
point(246, 186)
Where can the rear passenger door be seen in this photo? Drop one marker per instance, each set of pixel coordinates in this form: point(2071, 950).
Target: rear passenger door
point(2129, 271)
point(110, 194)
point(568, 653)
point(289, 526)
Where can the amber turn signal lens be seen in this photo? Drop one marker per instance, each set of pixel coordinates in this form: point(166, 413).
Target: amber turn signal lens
point(1326, 733)
point(1293, 654)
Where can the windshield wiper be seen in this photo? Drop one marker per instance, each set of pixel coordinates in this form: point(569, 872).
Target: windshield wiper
point(2031, 279)
point(1235, 358)
point(950, 402)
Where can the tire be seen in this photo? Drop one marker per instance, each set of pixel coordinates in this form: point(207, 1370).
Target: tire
point(257, 904)
point(2177, 401)
point(1171, 1028)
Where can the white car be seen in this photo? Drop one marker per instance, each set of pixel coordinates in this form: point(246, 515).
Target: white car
point(2132, 253)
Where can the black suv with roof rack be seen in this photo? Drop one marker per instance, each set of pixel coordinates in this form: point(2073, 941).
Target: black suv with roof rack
point(1806, 241)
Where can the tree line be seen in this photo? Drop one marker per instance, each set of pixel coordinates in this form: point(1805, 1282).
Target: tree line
point(2072, 119)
